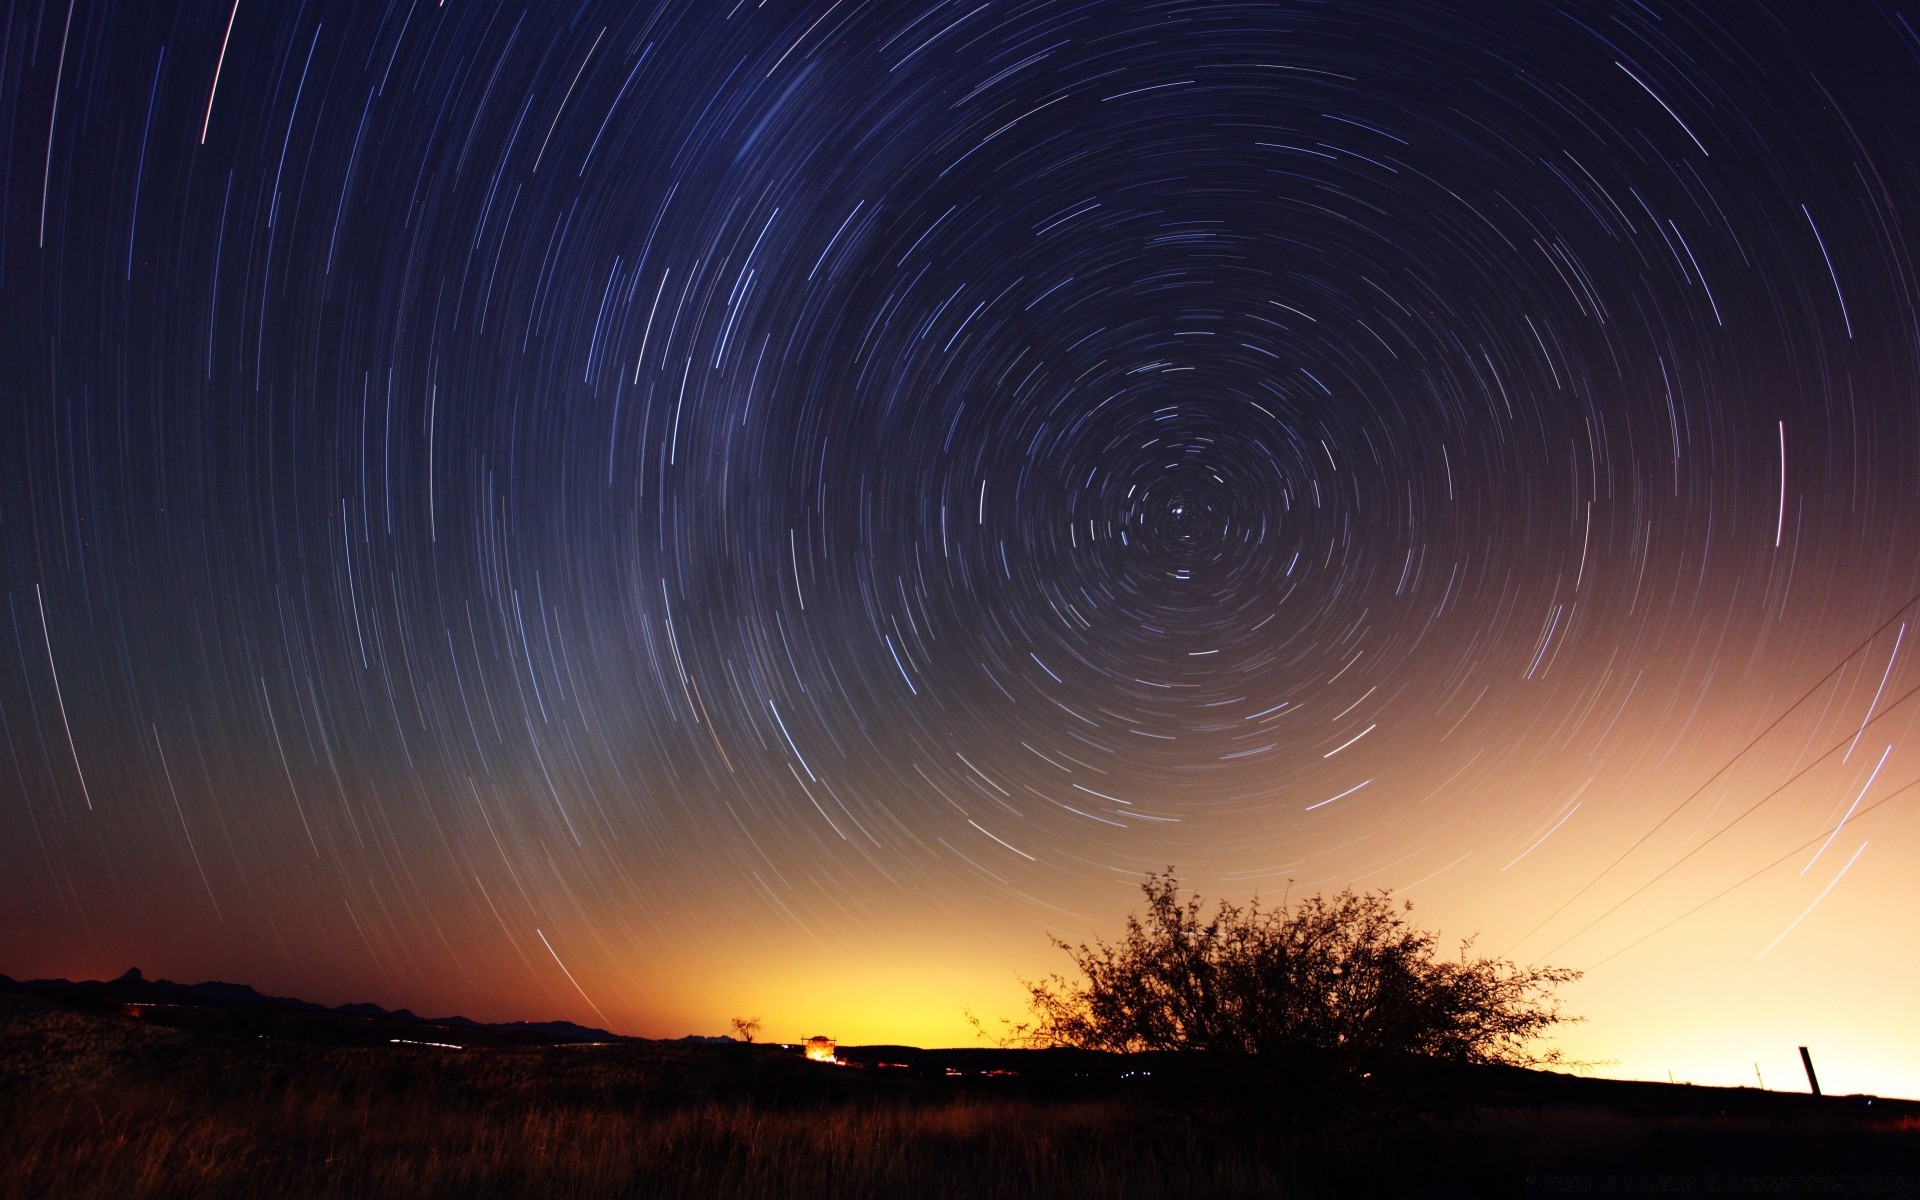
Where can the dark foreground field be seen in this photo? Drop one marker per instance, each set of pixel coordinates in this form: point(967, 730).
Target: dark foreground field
point(98, 1104)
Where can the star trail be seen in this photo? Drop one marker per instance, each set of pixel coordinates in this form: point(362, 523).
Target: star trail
point(647, 513)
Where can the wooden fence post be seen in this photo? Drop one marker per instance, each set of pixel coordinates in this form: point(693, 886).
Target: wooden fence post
point(1806, 1060)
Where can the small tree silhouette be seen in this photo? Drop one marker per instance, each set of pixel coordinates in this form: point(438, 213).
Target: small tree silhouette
point(1322, 1004)
point(747, 1027)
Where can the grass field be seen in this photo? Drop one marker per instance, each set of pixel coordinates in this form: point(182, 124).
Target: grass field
point(94, 1105)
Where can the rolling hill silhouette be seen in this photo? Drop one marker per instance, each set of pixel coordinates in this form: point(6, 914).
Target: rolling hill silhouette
point(240, 1008)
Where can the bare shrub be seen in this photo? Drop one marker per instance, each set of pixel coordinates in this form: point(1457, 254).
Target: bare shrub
point(1318, 1001)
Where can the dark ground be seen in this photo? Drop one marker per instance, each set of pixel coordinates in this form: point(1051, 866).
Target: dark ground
point(233, 1094)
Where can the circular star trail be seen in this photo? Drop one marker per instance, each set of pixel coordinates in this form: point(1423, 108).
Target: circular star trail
point(644, 511)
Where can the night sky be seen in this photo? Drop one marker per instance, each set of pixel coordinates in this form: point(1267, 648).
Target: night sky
point(647, 515)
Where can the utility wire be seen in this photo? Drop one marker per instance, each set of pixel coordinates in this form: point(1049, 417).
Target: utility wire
point(1757, 874)
point(1797, 776)
point(1728, 765)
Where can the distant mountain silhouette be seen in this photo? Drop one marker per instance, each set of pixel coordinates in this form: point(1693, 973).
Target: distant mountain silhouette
point(240, 1008)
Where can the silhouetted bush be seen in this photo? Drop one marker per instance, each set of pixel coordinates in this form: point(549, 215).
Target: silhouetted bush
point(1323, 1005)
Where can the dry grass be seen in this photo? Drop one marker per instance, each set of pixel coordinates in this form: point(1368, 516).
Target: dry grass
point(115, 1109)
point(110, 1108)
point(141, 1143)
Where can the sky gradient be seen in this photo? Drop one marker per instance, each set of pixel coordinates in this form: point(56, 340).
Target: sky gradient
point(646, 514)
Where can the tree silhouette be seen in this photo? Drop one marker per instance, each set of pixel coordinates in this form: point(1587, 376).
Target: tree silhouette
point(747, 1028)
point(1322, 1003)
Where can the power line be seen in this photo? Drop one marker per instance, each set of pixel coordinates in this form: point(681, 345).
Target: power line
point(1728, 765)
point(1757, 874)
point(1798, 775)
